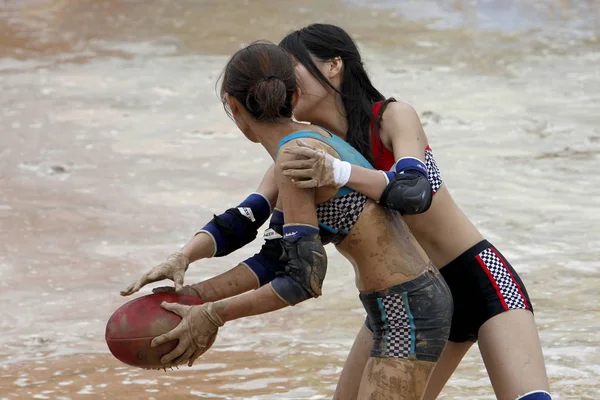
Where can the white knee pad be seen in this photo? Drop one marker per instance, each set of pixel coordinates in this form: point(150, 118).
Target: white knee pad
point(535, 395)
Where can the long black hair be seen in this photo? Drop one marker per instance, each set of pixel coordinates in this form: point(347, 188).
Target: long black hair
point(325, 42)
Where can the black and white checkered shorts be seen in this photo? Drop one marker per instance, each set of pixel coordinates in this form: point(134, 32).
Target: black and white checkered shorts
point(483, 285)
point(508, 290)
point(411, 319)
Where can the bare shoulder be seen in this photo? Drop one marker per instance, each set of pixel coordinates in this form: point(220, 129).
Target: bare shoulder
point(322, 193)
point(400, 119)
point(317, 144)
point(400, 114)
point(401, 107)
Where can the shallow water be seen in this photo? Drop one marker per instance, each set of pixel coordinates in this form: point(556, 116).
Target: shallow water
point(114, 149)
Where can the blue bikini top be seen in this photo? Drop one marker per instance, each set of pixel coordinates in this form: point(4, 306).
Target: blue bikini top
point(345, 151)
point(337, 215)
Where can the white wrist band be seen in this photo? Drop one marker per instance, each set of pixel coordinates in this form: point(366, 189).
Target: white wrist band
point(341, 172)
point(387, 179)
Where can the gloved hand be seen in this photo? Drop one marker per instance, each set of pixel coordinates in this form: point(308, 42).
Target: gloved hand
point(196, 333)
point(173, 268)
point(317, 168)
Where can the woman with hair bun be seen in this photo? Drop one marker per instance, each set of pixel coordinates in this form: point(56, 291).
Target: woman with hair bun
point(407, 302)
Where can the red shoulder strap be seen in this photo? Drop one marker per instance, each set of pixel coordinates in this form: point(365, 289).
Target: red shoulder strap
point(383, 159)
point(377, 113)
point(375, 118)
point(376, 145)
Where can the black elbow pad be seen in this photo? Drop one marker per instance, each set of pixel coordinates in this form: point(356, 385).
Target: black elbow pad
point(407, 193)
point(305, 267)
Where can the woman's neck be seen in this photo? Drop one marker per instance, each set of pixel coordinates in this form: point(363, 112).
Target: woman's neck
point(331, 115)
point(270, 134)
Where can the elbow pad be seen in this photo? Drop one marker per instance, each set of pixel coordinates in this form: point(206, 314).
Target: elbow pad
point(305, 263)
point(408, 190)
point(238, 226)
point(407, 193)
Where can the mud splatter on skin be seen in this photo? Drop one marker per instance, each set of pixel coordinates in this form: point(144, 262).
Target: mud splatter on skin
point(225, 285)
point(355, 242)
point(394, 379)
point(387, 253)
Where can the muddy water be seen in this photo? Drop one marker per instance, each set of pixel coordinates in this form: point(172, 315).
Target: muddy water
point(114, 149)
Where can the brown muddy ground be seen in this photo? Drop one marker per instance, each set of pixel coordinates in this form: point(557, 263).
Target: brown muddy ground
point(114, 149)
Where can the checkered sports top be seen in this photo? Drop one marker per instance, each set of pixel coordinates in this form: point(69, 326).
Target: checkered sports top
point(384, 160)
point(338, 215)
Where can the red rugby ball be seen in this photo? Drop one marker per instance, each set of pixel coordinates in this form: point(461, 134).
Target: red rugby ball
point(132, 327)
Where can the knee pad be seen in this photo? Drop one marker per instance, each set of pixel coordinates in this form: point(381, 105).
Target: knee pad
point(535, 395)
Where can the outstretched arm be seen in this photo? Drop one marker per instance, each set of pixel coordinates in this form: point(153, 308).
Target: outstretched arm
point(302, 278)
point(221, 236)
point(252, 273)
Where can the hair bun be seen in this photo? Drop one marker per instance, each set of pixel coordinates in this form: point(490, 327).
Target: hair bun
point(269, 96)
point(262, 78)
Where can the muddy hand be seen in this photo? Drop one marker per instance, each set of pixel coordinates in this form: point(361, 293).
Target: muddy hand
point(187, 289)
point(315, 168)
point(196, 332)
point(174, 268)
